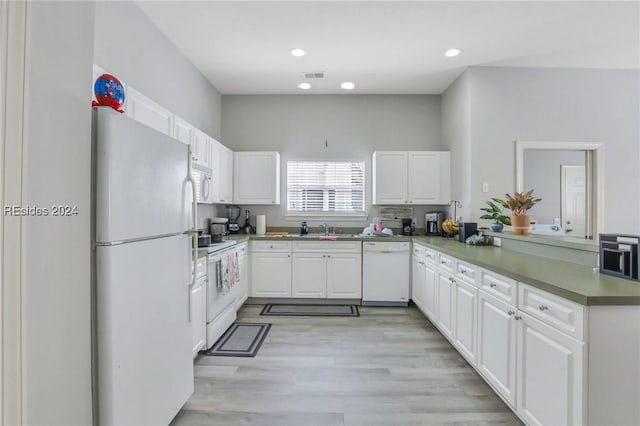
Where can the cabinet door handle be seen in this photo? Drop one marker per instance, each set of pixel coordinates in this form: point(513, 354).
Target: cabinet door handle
point(517, 317)
point(492, 285)
point(463, 272)
point(511, 313)
point(543, 307)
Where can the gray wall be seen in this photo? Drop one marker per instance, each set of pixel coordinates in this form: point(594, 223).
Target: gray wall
point(138, 53)
point(542, 174)
point(354, 125)
point(456, 135)
point(129, 45)
point(509, 104)
point(56, 170)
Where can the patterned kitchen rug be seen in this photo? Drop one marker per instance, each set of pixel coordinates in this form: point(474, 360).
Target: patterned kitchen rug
point(241, 339)
point(311, 310)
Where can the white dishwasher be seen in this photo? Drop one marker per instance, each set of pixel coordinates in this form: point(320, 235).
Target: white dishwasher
point(385, 273)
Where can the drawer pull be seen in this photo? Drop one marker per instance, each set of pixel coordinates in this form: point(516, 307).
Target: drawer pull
point(443, 262)
point(543, 307)
point(511, 313)
point(463, 272)
point(492, 285)
point(452, 280)
point(517, 317)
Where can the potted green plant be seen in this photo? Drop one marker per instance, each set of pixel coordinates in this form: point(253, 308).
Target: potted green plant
point(520, 203)
point(495, 213)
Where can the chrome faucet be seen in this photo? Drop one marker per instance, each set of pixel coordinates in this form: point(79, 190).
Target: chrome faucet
point(326, 228)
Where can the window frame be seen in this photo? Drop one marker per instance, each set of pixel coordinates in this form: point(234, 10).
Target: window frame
point(345, 216)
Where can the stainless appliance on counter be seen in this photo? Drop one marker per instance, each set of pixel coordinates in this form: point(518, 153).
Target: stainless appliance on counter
point(433, 223)
point(218, 229)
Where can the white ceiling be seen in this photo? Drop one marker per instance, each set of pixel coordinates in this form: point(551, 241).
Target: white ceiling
point(244, 47)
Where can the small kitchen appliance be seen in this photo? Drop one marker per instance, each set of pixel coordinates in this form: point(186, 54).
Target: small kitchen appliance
point(233, 213)
point(203, 239)
point(304, 228)
point(467, 229)
point(218, 229)
point(407, 227)
point(433, 223)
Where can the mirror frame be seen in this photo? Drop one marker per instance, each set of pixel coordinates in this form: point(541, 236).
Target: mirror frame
point(595, 175)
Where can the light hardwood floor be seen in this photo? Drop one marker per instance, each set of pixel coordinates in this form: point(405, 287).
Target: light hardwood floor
point(390, 366)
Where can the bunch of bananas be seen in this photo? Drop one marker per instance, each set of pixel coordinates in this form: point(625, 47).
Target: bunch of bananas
point(450, 227)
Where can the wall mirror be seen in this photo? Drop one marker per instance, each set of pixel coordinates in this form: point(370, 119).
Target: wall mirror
point(568, 176)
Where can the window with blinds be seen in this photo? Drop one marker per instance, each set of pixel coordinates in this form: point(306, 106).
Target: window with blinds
point(325, 187)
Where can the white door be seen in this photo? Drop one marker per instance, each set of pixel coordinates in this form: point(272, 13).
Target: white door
point(390, 177)
point(497, 344)
point(466, 305)
point(418, 282)
point(198, 315)
point(201, 148)
point(446, 298)
point(550, 373)
point(271, 275)
point(256, 178)
point(226, 175)
point(344, 276)
point(141, 186)
point(424, 177)
point(142, 308)
point(430, 292)
point(574, 201)
point(243, 266)
point(309, 277)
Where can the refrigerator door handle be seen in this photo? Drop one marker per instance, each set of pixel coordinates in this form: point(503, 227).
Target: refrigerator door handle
point(193, 232)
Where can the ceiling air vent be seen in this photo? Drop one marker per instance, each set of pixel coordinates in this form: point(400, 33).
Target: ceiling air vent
point(317, 74)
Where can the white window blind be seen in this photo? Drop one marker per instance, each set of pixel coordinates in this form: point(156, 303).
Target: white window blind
point(325, 186)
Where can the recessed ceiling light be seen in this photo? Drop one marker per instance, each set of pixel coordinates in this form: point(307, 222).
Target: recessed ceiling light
point(304, 86)
point(297, 52)
point(452, 52)
point(347, 85)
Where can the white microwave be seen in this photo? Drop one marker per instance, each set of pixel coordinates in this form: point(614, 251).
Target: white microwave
point(203, 179)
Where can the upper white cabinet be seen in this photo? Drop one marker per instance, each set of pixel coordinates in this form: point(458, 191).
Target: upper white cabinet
point(182, 130)
point(148, 112)
point(201, 148)
point(256, 178)
point(411, 177)
point(221, 163)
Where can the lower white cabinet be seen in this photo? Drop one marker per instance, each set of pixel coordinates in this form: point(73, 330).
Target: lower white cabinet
point(446, 303)
point(344, 276)
point(309, 278)
point(496, 359)
point(243, 271)
point(430, 291)
point(198, 308)
point(335, 273)
point(418, 282)
point(549, 374)
point(464, 312)
point(271, 274)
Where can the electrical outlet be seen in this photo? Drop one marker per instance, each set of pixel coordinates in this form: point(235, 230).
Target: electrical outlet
point(485, 186)
point(497, 241)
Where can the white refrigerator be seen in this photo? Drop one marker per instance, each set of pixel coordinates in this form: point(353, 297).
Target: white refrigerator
point(142, 360)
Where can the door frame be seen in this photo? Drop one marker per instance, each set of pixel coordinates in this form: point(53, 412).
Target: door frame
point(594, 169)
point(563, 196)
point(13, 58)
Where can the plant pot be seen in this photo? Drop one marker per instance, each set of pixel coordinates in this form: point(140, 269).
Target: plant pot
point(520, 225)
point(497, 227)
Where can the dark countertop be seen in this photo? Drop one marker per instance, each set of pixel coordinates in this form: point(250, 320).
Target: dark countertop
point(575, 282)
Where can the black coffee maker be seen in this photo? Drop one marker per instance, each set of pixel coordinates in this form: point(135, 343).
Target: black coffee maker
point(407, 226)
